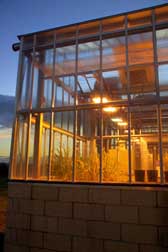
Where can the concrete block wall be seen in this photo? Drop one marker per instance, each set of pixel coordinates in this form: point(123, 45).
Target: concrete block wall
point(86, 218)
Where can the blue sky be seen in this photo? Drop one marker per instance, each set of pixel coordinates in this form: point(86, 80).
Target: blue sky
point(21, 16)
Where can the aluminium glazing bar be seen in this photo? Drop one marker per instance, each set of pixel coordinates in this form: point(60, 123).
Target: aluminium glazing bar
point(14, 128)
point(75, 110)
point(158, 96)
point(128, 93)
point(51, 112)
point(101, 109)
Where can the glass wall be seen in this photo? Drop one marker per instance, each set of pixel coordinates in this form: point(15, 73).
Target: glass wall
point(92, 102)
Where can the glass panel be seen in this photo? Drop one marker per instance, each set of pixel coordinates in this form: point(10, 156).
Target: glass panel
point(88, 29)
point(161, 14)
point(115, 145)
point(139, 19)
point(88, 88)
point(65, 60)
point(88, 145)
point(20, 151)
point(163, 80)
point(43, 69)
point(142, 83)
point(25, 81)
point(66, 34)
point(39, 146)
point(113, 24)
point(62, 153)
point(64, 91)
point(164, 109)
point(145, 144)
point(113, 52)
point(162, 44)
point(89, 56)
point(115, 85)
point(140, 48)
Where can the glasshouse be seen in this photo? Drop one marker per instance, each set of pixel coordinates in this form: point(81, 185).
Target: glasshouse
point(92, 101)
point(89, 152)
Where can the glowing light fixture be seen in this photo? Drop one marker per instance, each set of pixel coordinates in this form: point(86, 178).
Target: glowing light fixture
point(98, 100)
point(110, 109)
point(117, 119)
point(122, 123)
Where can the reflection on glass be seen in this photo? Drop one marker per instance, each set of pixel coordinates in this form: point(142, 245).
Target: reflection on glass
point(115, 84)
point(139, 19)
point(140, 48)
point(64, 91)
point(65, 60)
point(161, 14)
point(142, 83)
point(163, 79)
point(19, 163)
point(145, 152)
point(88, 146)
point(89, 56)
point(113, 52)
point(162, 42)
point(113, 24)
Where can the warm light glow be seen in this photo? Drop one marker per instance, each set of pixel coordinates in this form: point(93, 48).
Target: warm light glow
point(117, 119)
point(122, 123)
point(110, 109)
point(98, 100)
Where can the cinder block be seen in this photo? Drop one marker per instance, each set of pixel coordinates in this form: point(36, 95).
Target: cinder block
point(39, 250)
point(45, 192)
point(15, 248)
point(139, 234)
point(18, 221)
point(57, 242)
point(44, 224)
point(72, 227)
point(10, 235)
point(103, 230)
point(163, 236)
point(104, 195)
point(154, 216)
point(121, 214)
point(150, 248)
point(87, 245)
point(113, 246)
point(27, 238)
point(34, 207)
point(162, 198)
point(138, 197)
point(62, 209)
point(88, 211)
point(19, 190)
point(74, 194)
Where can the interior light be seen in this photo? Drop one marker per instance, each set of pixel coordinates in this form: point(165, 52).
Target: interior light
point(98, 100)
point(117, 119)
point(122, 123)
point(110, 109)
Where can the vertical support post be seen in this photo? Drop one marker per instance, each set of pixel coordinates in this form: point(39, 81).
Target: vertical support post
point(50, 158)
point(101, 108)
point(75, 107)
point(129, 99)
point(14, 128)
point(158, 96)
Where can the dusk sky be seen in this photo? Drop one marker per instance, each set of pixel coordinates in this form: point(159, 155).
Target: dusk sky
point(20, 17)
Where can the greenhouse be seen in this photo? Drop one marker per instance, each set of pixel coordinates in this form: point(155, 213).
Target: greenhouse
point(92, 101)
